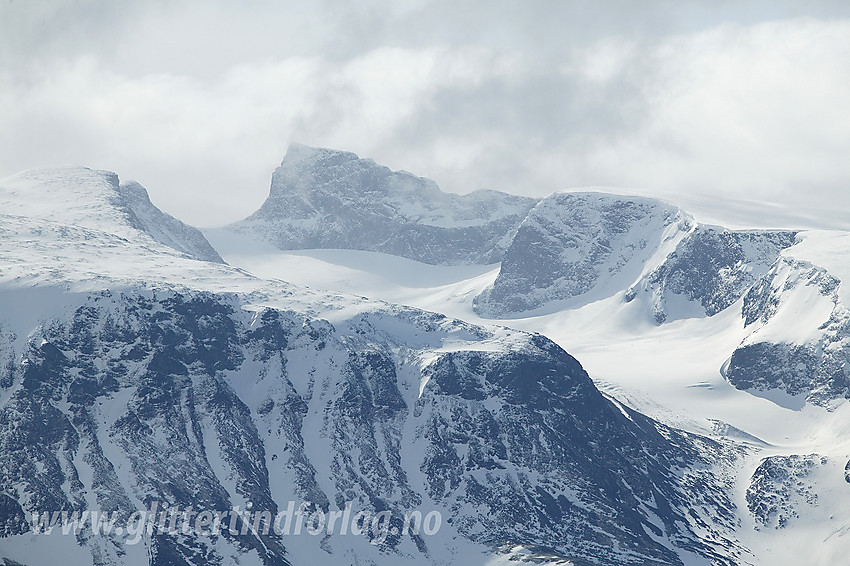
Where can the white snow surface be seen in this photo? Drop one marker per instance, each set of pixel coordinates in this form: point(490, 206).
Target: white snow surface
point(62, 232)
point(65, 234)
point(86, 199)
point(670, 372)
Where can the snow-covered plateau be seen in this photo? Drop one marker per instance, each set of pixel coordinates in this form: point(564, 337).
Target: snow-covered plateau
point(587, 378)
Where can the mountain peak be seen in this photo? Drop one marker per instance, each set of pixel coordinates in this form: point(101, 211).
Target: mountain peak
point(68, 194)
point(325, 198)
point(298, 153)
point(93, 199)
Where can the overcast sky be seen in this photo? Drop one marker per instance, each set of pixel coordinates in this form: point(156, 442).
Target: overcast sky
point(198, 100)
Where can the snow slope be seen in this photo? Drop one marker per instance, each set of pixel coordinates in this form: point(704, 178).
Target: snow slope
point(133, 373)
point(82, 198)
point(277, 344)
point(677, 372)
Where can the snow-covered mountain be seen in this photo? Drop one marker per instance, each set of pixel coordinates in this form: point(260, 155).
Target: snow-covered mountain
point(188, 399)
point(322, 198)
point(575, 248)
point(134, 374)
point(561, 253)
point(737, 333)
point(710, 270)
point(136, 368)
point(79, 198)
point(798, 313)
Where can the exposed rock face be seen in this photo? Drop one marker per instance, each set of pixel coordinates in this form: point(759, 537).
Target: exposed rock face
point(765, 365)
point(156, 366)
point(800, 333)
point(162, 227)
point(550, 425)
point(576, 248)
point(190, 400)
point(321, 198)
point(712, 267)
point(779, 487)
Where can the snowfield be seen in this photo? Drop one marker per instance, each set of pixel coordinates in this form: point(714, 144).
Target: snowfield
point(146, 359)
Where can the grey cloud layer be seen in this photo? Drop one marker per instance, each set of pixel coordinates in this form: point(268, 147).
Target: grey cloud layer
point(198, 101)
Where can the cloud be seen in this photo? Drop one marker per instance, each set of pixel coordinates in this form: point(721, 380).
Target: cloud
point(198, 100)
point(754, 109)
point(186, 139)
